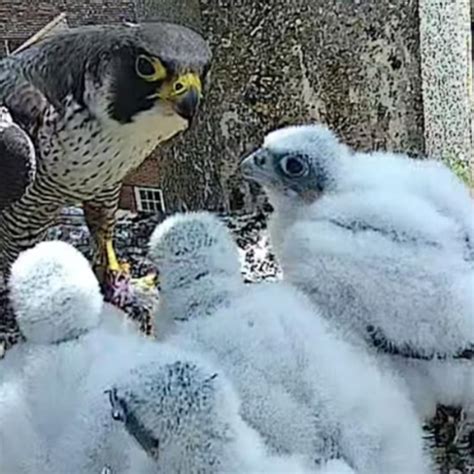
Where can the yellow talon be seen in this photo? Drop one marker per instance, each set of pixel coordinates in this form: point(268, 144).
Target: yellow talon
point(124, 267)
point(112, 261)
point(147, 282)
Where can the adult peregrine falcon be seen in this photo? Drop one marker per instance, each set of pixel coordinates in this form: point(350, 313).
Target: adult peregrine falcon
point(80, 110)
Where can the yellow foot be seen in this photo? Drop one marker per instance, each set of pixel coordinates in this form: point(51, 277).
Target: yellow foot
point(120, 289)
point(146, 283)
point(112, 261)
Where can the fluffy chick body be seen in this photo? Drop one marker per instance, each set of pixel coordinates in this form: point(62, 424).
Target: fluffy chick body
point(54, 293)
point(180, 415)
point(52, 387)
point(389, 293)
point(383, 245)
point(303, 388)
point(22, 450)
point(58, 303)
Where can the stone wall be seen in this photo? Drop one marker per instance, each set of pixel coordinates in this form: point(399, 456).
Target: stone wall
point(351, 64)
point(445, 34)
point(355, 65)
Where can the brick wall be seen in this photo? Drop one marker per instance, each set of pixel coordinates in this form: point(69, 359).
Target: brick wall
point(20, 19)
point(127, 198)
point(146, 175)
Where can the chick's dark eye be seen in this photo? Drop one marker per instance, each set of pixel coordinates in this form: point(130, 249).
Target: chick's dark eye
point(145, 67)
point(293, 166)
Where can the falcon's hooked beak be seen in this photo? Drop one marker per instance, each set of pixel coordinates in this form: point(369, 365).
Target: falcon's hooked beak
point(258, 167)
point(186, 96)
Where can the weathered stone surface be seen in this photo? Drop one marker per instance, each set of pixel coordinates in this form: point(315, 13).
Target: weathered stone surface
point(355, 65)
point(445, 34)
point(352, 64)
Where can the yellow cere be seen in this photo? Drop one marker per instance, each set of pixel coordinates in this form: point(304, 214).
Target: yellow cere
point(178, 87)
point(185, 82)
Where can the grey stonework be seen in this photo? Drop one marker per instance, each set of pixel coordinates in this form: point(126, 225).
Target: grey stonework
point(355, 65)
point(446, 59)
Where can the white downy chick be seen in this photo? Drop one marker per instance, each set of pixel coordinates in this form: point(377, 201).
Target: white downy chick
point(429, 179)
point(183, 260)
point(22, 451)
point(185, 416)
point(293, 180)
point(297, 165)
point(58, 303)
point(382, 249)
point(163, 410)
point(54, 293)
point(305, 390)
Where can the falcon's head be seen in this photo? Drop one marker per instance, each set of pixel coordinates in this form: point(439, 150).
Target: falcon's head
point(297, 161)
point(123, 71)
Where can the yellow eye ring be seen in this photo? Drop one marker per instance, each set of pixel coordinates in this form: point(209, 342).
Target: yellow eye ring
point(150, 69)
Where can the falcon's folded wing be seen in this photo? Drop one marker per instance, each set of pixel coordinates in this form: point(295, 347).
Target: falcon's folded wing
point(20, 116)
point(17, 160)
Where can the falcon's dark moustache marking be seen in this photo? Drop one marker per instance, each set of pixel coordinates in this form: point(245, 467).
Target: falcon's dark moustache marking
point(131, 92)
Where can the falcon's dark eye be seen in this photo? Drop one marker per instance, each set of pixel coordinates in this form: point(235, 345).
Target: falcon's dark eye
point(144, 66)
point(294, 166)
point(150, 69)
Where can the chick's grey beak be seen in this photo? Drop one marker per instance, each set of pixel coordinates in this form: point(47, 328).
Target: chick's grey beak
point(256, 165)
point(188, 104)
